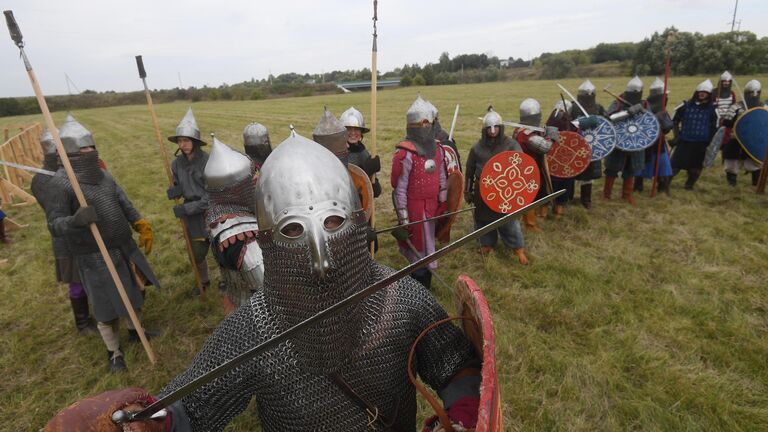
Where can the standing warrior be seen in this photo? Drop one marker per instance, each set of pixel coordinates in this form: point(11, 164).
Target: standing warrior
point(43, 189)
point(626, 162)
point(231, 218)
point(257, 144)
point(114, 215)
point(492, 142)
point(189, 182)
point(655, 99)
point(419, 180)
point(536, 145)
point(734, 156)
point(353, 120)
point(699, 123)
point(587, 97)
point(347, 372)
point(724, 96)
point(560, 119)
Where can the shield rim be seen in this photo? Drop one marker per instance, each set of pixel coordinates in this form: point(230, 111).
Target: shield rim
point(603, 121)
point(735, 131)
point(658, 133)
point(530, 162)
point(356, 171)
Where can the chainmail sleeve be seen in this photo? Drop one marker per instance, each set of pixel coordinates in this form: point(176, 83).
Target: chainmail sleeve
point(214, 405)
point(130, 211)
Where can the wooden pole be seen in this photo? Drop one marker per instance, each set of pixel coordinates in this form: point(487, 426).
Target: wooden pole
point(17, 38)
point(374, 84)
point(662, 137)
point(169, 173)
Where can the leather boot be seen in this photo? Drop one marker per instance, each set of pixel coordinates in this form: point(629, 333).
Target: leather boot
point(608, 187)
point(731, 179)
point(626, 190)
point(530, 221)
point(83, 321)
point(693, 175)
point(586, 196)
point(664, 184)
point(3, 238)
point(638, 184)
point(116, 362)
point(542, 211)
point(521, 256)
point(755, 177)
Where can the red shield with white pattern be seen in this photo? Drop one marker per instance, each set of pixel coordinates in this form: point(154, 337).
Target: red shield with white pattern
point(569, 156)
point(509, 181)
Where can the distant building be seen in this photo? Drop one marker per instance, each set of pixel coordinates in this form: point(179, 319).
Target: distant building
point(504, 63)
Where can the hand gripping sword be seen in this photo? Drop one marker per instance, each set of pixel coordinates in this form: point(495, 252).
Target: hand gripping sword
point(121, 416)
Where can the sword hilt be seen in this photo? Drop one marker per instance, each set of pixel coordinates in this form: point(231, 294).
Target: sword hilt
point(13, 29)
point(140, 65)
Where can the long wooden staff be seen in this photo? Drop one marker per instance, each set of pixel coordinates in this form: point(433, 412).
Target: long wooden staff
point(374, 77)
point(13, 28)
point(167, 165)
point(662, 137)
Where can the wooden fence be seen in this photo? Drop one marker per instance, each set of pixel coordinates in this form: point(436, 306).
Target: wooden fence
point(23, 148)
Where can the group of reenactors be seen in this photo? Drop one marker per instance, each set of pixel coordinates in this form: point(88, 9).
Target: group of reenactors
point(290, 231)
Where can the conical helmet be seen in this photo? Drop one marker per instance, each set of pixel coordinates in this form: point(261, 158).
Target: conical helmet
point(566, 109)
point(753, 87)
point(47, 143)
point(188, 128)
point(634, 85)
point(726, 76)
point(331, 134)
point(419, 111)
point(705, 86)
point(256, 142)
point(75, 136)
point(353, 118)
point(657, 87)
point(586, 88)
point(752, 93)
point(492, 118)
point(226, 166)
point(530, 112)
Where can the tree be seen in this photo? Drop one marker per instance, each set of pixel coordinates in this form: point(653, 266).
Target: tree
point(556, 66)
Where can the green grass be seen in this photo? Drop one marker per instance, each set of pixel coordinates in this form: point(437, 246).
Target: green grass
point(646, 318)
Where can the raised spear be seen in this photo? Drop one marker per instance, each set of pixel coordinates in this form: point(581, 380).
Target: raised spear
point(167, 165)
point(662, 138)
point(13, 28)
point(374, 77)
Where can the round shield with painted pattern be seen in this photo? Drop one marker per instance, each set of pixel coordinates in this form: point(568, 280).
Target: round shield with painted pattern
point(569, 156)
point(451, 160)
point(509, 181)
point(637, 132)
point(602, 138)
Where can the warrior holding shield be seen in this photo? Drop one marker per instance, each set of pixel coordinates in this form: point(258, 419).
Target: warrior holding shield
point(348, 371)
point(587, 98)
point(734, 156)
point(655, 98)
point(695, 123)
point(492, 142)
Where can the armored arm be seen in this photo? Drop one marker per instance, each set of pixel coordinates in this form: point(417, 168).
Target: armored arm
point(469, 175)
point(402, 166)
point(129, 210)
point(61, 218)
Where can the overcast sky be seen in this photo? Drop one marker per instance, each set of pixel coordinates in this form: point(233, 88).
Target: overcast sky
point(227, 41)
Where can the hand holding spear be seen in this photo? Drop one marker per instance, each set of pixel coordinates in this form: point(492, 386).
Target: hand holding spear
point(167, 165)
point(13, 28)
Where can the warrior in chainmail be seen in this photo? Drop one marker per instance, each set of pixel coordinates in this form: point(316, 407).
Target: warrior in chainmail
point(620, 161)
point(231, 220)
point(189, 183)
point(734, 156)
point(587, 97)
point(257, 144)
point(537, 145)
point(44, 190)
point(114, 215)
point(492, 142)
point(560, 118)
point(695, 123)
point(347, 372)
point(353, 121)
point(419, 180)
point(723, 96)
point(655, 101)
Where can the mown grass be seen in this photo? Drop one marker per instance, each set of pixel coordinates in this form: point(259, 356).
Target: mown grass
point(646, 318)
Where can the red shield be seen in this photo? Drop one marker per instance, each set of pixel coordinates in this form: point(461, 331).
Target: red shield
point(569, 156)
point(471, 303)
point(509, 181)
point(451, 160)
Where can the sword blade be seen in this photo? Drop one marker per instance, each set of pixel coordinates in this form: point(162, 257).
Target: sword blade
point(425, 220)
point(220, 370)
point(573, 99)
point(27, 168)
point(520, 125)
point(453, 123)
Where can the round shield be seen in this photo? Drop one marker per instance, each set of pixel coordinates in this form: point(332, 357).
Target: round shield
point(451, 160)
point(714, 147)
point(637, 132)
point(364, 188)
point(569, 156)
point(455, 194)
point(750, 129)
point(602, 138)
point(509, 181)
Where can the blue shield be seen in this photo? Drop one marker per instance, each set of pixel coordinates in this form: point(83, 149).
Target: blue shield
point(752, 133)
point(637, 132)
point(602, 138)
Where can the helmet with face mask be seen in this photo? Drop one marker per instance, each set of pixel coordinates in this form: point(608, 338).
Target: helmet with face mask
point(752, 93)
point(656, 95)
point(422, 136)
point(530, 112)
point(256, 142)
point(331, 134)
point(75, 137)
point(313, 238)
point(633, 93)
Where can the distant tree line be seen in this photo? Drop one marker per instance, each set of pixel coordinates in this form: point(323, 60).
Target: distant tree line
point(691, 54)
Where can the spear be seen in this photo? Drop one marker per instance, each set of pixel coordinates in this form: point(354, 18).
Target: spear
point(374, 77)
point(15, 32)
point(167, 165)
point(662, 138)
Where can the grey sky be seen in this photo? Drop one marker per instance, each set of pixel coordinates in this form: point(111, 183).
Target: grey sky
point(229, 41)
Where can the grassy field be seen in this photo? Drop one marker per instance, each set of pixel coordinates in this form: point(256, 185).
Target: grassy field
point(646, 318)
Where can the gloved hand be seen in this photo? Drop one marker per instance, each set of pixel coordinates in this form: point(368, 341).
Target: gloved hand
point(636, 109)
point(588, 122)
point(552, 133)
point(174, 192)
point(372, 165)
point(179, 211)
point(401, 234)
point(85, 216)
point(463, 416)
point(95, 413)
point(146, 238)
point(376, 188)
